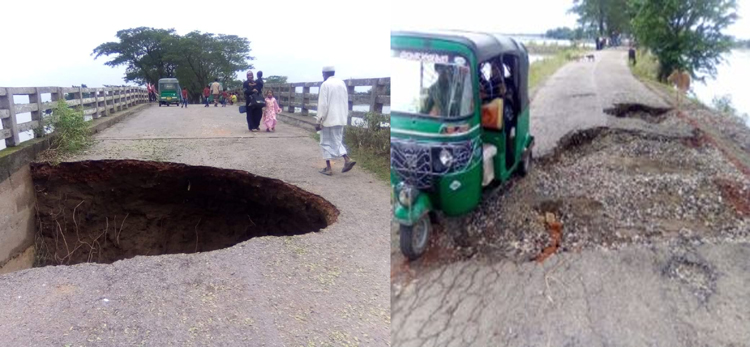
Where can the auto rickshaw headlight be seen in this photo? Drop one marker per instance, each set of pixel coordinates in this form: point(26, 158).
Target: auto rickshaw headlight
point(406, 194)
point(446, 158)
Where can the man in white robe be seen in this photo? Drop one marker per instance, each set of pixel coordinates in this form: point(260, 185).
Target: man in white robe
point(333, 111)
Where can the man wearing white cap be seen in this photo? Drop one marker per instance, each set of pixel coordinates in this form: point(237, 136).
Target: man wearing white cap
point(333, 111)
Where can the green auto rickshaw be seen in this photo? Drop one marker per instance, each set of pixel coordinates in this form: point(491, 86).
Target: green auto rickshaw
point(169, 91)
point(459, 121)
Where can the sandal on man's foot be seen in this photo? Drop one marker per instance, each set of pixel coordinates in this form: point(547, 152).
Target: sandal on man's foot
point(348, 166)
point(326, 172)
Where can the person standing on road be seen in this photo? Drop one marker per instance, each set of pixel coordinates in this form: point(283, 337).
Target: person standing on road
point(216, 90)
point(184, 97)
point(224, 97)
point(270, 112)
point(333, 111)
point(249, 89)
point(258, 111)
point(206, 93)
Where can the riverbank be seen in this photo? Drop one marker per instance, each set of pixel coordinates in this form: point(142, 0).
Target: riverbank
point(701, 95)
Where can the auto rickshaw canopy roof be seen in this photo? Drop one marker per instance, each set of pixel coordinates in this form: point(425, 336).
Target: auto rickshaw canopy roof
point(484, 45)
point(169, 81)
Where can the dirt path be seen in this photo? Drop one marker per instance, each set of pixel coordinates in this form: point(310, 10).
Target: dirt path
point(328, 288)
point(668, 285)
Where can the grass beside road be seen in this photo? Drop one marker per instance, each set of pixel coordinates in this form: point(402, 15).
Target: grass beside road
point(647, 66)
point(543, 69)
point(370, 147)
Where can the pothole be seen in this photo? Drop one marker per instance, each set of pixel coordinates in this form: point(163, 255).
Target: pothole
point(109, 210)
point(694, 273)
point(646, 113)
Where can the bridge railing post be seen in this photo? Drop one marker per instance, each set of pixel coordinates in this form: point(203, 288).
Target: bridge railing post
point(352, 96)
point(376, 90)
point(37, 115)
point(292, 91)
point(97, 113)
point(79, 96)
point(105, 95)
point(8, 115)
point(305, 100)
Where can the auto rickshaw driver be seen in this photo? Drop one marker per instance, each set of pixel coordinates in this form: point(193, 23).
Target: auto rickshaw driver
point(438, 102)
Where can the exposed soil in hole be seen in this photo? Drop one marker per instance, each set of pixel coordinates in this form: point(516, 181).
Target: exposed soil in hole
point(104, 211)
point(646, 113)
point(736, 195)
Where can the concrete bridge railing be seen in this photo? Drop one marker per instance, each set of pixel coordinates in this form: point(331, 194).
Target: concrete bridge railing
point(376, 98)
point(96, 102)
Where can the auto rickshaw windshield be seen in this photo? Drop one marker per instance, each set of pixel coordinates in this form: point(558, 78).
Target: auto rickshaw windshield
point(429, 84)
point(167, 86)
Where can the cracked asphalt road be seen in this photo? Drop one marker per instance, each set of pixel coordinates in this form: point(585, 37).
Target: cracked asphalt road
point(681, 292)
point(328, 288)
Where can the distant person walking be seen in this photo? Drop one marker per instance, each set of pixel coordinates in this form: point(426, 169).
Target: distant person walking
point(206, 93)
point(216, 90)
point(631, 55)
point(333, 111)
point(224, 97)
point(184, 97)
point(270, 112)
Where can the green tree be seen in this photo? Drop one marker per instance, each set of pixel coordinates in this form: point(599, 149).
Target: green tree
point(276, 79)
point(203, 57)
point(685, 34)
point(196, 59)
point(145, 52)
point(609, 17)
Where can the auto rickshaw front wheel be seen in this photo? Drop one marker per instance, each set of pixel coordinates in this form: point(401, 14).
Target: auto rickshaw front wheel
point(526, 164)
point(414, 238)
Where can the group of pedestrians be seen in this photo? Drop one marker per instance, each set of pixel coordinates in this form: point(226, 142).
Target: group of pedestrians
point(333, 112)
point(331, 118)
point(213, 92)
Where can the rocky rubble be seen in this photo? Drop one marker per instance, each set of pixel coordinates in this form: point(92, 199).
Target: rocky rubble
point(614, 186)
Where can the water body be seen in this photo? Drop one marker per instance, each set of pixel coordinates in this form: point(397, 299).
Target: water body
point(730, 80)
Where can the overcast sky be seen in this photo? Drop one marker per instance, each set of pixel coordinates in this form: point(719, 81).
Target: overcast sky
point(506, 16)
point(294, 38)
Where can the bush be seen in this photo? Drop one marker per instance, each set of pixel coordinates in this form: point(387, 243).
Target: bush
point(373, 137)
point(72, 133)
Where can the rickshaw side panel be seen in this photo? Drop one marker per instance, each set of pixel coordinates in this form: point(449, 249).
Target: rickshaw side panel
point(497, 139)
point(522, 134)
point(462, 197)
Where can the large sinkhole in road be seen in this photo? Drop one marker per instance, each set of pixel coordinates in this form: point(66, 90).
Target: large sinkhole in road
point(104, 211)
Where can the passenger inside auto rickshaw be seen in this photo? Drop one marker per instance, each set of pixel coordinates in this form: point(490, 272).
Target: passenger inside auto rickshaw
point(497, 97)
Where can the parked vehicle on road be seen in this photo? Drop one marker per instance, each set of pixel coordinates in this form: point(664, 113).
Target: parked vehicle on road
point(169, 91)
point(459, 121)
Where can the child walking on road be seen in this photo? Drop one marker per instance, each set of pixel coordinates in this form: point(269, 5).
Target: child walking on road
point(269, 112)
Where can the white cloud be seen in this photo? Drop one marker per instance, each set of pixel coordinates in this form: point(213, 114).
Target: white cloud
point(294, 38)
